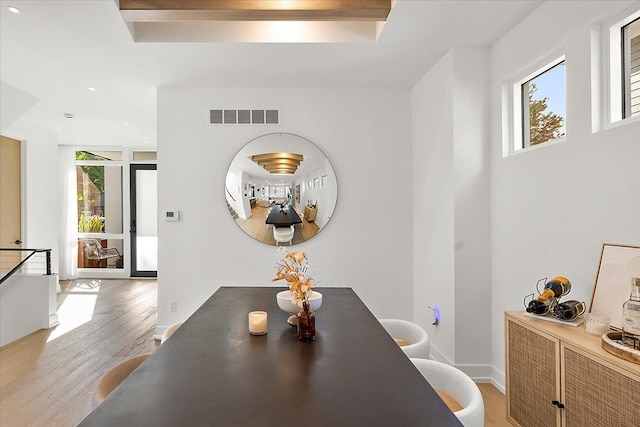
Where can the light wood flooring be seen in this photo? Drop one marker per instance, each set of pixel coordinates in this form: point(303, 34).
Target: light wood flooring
point(255, 227)
point(50, 383)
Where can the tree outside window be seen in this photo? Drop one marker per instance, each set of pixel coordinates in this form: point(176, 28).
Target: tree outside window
point(544, 105)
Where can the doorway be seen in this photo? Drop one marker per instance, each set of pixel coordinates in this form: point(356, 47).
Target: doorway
point(144, 220)
point(10, 205)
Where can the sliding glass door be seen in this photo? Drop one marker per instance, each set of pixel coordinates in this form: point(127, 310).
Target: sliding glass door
point(144, 220)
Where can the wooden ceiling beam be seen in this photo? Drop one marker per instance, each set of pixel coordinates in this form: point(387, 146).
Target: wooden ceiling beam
point(254, 10)
point(273, 156)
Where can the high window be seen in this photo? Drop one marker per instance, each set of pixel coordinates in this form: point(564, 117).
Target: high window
point(622, 42)
point(540, 106)
point(630, 35)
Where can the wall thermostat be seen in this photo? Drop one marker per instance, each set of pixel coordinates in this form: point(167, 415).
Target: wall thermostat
point(171, 215)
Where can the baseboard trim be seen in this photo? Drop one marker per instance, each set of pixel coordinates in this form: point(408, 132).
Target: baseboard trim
point(498, 379)
point(160, 331)
point(479, 373)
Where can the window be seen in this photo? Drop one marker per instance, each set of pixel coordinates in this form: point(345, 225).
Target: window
point(621, 45)
point(99, 209)
point(316, 182)
point(540, 106)
point(631, 68)
point(277, 191)
point(324, 181)
point(309, 184)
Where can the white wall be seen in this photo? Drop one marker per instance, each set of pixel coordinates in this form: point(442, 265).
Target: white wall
point(554, 207)
point(451, 208)
point(433, 204)
point(362, 132)
point(472, 233)
point(27, 304)
point(325, 197)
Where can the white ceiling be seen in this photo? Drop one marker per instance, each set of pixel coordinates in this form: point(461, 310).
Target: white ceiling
point(55, 50)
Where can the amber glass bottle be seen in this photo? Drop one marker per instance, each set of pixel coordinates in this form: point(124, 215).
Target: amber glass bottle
point(306, 323)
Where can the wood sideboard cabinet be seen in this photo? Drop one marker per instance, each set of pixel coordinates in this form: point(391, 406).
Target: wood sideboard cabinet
point(310, 213)
point(558, 375)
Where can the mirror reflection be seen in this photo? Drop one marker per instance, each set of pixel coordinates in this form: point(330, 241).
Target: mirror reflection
point(281, 189)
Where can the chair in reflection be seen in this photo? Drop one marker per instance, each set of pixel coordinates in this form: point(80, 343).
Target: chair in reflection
point(93, 250)
point(301, 215)
point(283, 234)
point(112, 379)
point(170, 330)
point(411, 338)
point(267, 216)
point(456, 385)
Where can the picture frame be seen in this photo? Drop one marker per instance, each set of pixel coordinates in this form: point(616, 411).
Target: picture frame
point(618, 264)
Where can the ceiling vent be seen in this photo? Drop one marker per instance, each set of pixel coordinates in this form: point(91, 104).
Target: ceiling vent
point(244, 117)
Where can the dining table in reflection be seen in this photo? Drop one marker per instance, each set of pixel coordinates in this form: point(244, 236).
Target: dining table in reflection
point(280, 218)
point(212, 371)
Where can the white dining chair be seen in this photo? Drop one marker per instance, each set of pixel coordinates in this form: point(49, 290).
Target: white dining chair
point(411, 338)
point(267, 217)
point(301, 215)
point(457, 385)
point(283, 234)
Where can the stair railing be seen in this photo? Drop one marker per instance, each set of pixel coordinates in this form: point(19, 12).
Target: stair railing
point(227, 190)
point(21, 263)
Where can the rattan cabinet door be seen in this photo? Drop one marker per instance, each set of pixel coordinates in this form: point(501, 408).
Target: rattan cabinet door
point(596, 394)
point(532, 377)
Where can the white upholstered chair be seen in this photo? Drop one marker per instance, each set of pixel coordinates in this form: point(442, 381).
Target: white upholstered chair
point(112, 379)
point(266, 218)
point(458, 385)
point(411, 338)
point(301, 215)
point(170, 330)
point(283, 234)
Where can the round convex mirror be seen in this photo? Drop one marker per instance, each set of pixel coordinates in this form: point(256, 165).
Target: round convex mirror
point(281, 189)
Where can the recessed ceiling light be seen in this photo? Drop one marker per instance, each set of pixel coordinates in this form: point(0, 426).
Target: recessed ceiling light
point(69, 115)
point(92, 89)
point(126, 123)
point(146, 142)
point(15, 10)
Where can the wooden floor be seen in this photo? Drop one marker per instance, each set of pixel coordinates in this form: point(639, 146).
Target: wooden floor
point(255, 227)
point(50, 383)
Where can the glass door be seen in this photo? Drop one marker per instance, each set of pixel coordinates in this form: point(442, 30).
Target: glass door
point(144, 220)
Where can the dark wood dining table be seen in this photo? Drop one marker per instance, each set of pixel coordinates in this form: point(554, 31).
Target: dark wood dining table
point(212, 372)
point(278, 218)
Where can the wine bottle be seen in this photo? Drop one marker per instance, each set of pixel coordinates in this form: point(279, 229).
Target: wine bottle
point(631, 316)
point(569, 310)
point(555, 288)
point(540, 307)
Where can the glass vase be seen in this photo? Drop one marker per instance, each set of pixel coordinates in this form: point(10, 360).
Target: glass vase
point(306, 323)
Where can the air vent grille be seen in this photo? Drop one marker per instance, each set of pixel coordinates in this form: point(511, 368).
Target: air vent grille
point(244, 117)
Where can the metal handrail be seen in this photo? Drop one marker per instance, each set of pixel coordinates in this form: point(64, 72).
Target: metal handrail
point(229, 193)
point(21, 263)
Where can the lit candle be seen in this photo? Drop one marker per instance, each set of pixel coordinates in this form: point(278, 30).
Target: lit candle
point(258, 322)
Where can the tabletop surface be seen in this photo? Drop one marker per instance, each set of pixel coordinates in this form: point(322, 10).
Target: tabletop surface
point(283, 219)
point(213, 372)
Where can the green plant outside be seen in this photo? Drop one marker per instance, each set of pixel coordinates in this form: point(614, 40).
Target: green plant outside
point(92, 224)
